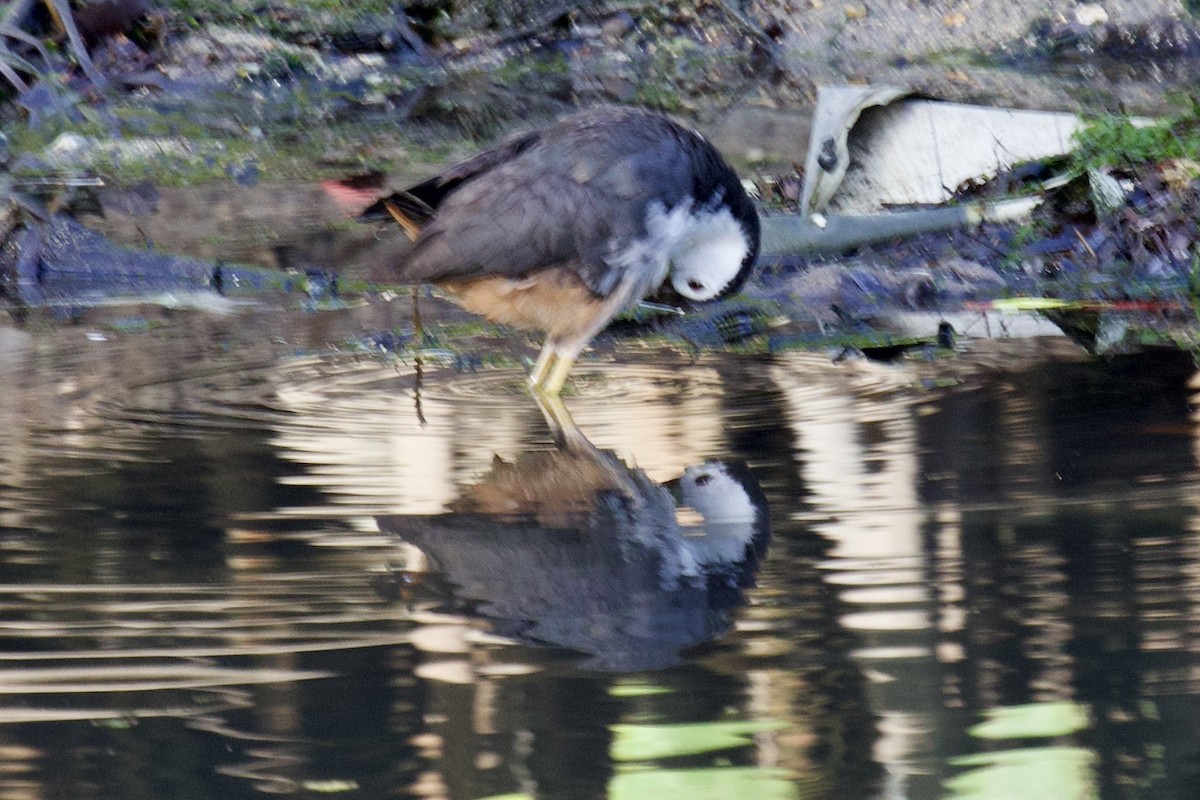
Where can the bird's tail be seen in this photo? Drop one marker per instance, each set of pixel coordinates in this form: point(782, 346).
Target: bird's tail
point(405, 209)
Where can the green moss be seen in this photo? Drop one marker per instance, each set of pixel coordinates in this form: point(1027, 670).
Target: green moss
point(679, 69)
point(1022, 236)
point(653, 94)
point(1115, 140)
point(283, 16)
point(202, 145)
point(522, 69)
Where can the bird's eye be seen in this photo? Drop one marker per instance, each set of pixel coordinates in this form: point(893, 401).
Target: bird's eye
point(695, 285)
point(703, 479)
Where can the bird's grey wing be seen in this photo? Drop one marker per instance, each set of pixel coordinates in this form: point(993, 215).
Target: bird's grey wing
point(420, 201)
point(510, 225)
point(554, 205)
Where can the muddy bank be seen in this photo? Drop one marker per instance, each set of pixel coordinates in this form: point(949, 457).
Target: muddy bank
point(1058, 55)
point(225, 136)
point(201, 91)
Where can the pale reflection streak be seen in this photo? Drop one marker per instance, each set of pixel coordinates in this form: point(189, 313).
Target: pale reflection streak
point(368, 451)
point(856, 453)
point(18, 771)
point(1167, 601)
point(37, 397)
point(158, 652)
point(83, 408)
point(1191, 583)
point(910, 578)
point(661, 418)
point(349, 423)
point(859, 454)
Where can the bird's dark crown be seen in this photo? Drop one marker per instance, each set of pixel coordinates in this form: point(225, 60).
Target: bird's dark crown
point(716, 185)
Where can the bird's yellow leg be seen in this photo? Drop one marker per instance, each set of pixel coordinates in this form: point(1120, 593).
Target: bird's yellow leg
point(554, 363)
point(543, 366)
point(562, 425)
point(554, 382)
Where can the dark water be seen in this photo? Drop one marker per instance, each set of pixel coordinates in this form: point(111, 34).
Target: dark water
point(978, 585)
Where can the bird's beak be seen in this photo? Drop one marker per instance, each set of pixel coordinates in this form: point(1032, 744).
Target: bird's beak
point(667, 296)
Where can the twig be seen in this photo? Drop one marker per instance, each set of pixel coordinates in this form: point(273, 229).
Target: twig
point(13, 15)
point(10, 32)
point(9, 73)
point(1086, 246)
point(61, 11)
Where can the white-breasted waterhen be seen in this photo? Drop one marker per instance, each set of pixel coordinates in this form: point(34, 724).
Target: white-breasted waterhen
point(562, 229)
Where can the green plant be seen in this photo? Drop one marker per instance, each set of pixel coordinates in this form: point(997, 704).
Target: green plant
point(1118, 140)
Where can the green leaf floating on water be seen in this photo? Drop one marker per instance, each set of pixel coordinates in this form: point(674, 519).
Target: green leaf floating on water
point(637, 690)
point(648, 742)
point(1032, 720)
point(331, 786)
point(1032, 773)
point(720, 783)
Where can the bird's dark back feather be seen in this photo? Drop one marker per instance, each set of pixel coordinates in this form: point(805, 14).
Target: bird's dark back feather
point(421, 201)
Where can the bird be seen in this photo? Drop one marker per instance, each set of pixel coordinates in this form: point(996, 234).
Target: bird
point(564, 228)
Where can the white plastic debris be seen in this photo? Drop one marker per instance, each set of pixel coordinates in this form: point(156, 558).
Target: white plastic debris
point(864, 159)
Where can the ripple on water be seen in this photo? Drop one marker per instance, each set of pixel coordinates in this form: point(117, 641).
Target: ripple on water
point(375, 435)
point(122, 651)
point(662, 409)
point(626, 381)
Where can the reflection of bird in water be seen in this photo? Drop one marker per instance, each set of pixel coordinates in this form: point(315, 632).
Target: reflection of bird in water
point(572, 548)
point(562, 229)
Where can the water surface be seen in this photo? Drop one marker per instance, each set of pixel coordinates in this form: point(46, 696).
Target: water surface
point(235, 562)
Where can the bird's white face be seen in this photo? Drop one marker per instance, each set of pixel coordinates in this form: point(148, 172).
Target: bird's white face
point(716, 494)
point(708, 254)
point(730, 514)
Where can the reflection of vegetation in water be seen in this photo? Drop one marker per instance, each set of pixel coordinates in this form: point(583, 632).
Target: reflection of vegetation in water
point(636, 689)
point(1064, 772)
point(644, 742)
point(1032, 720)
point(634, 745)
point(715, 783)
